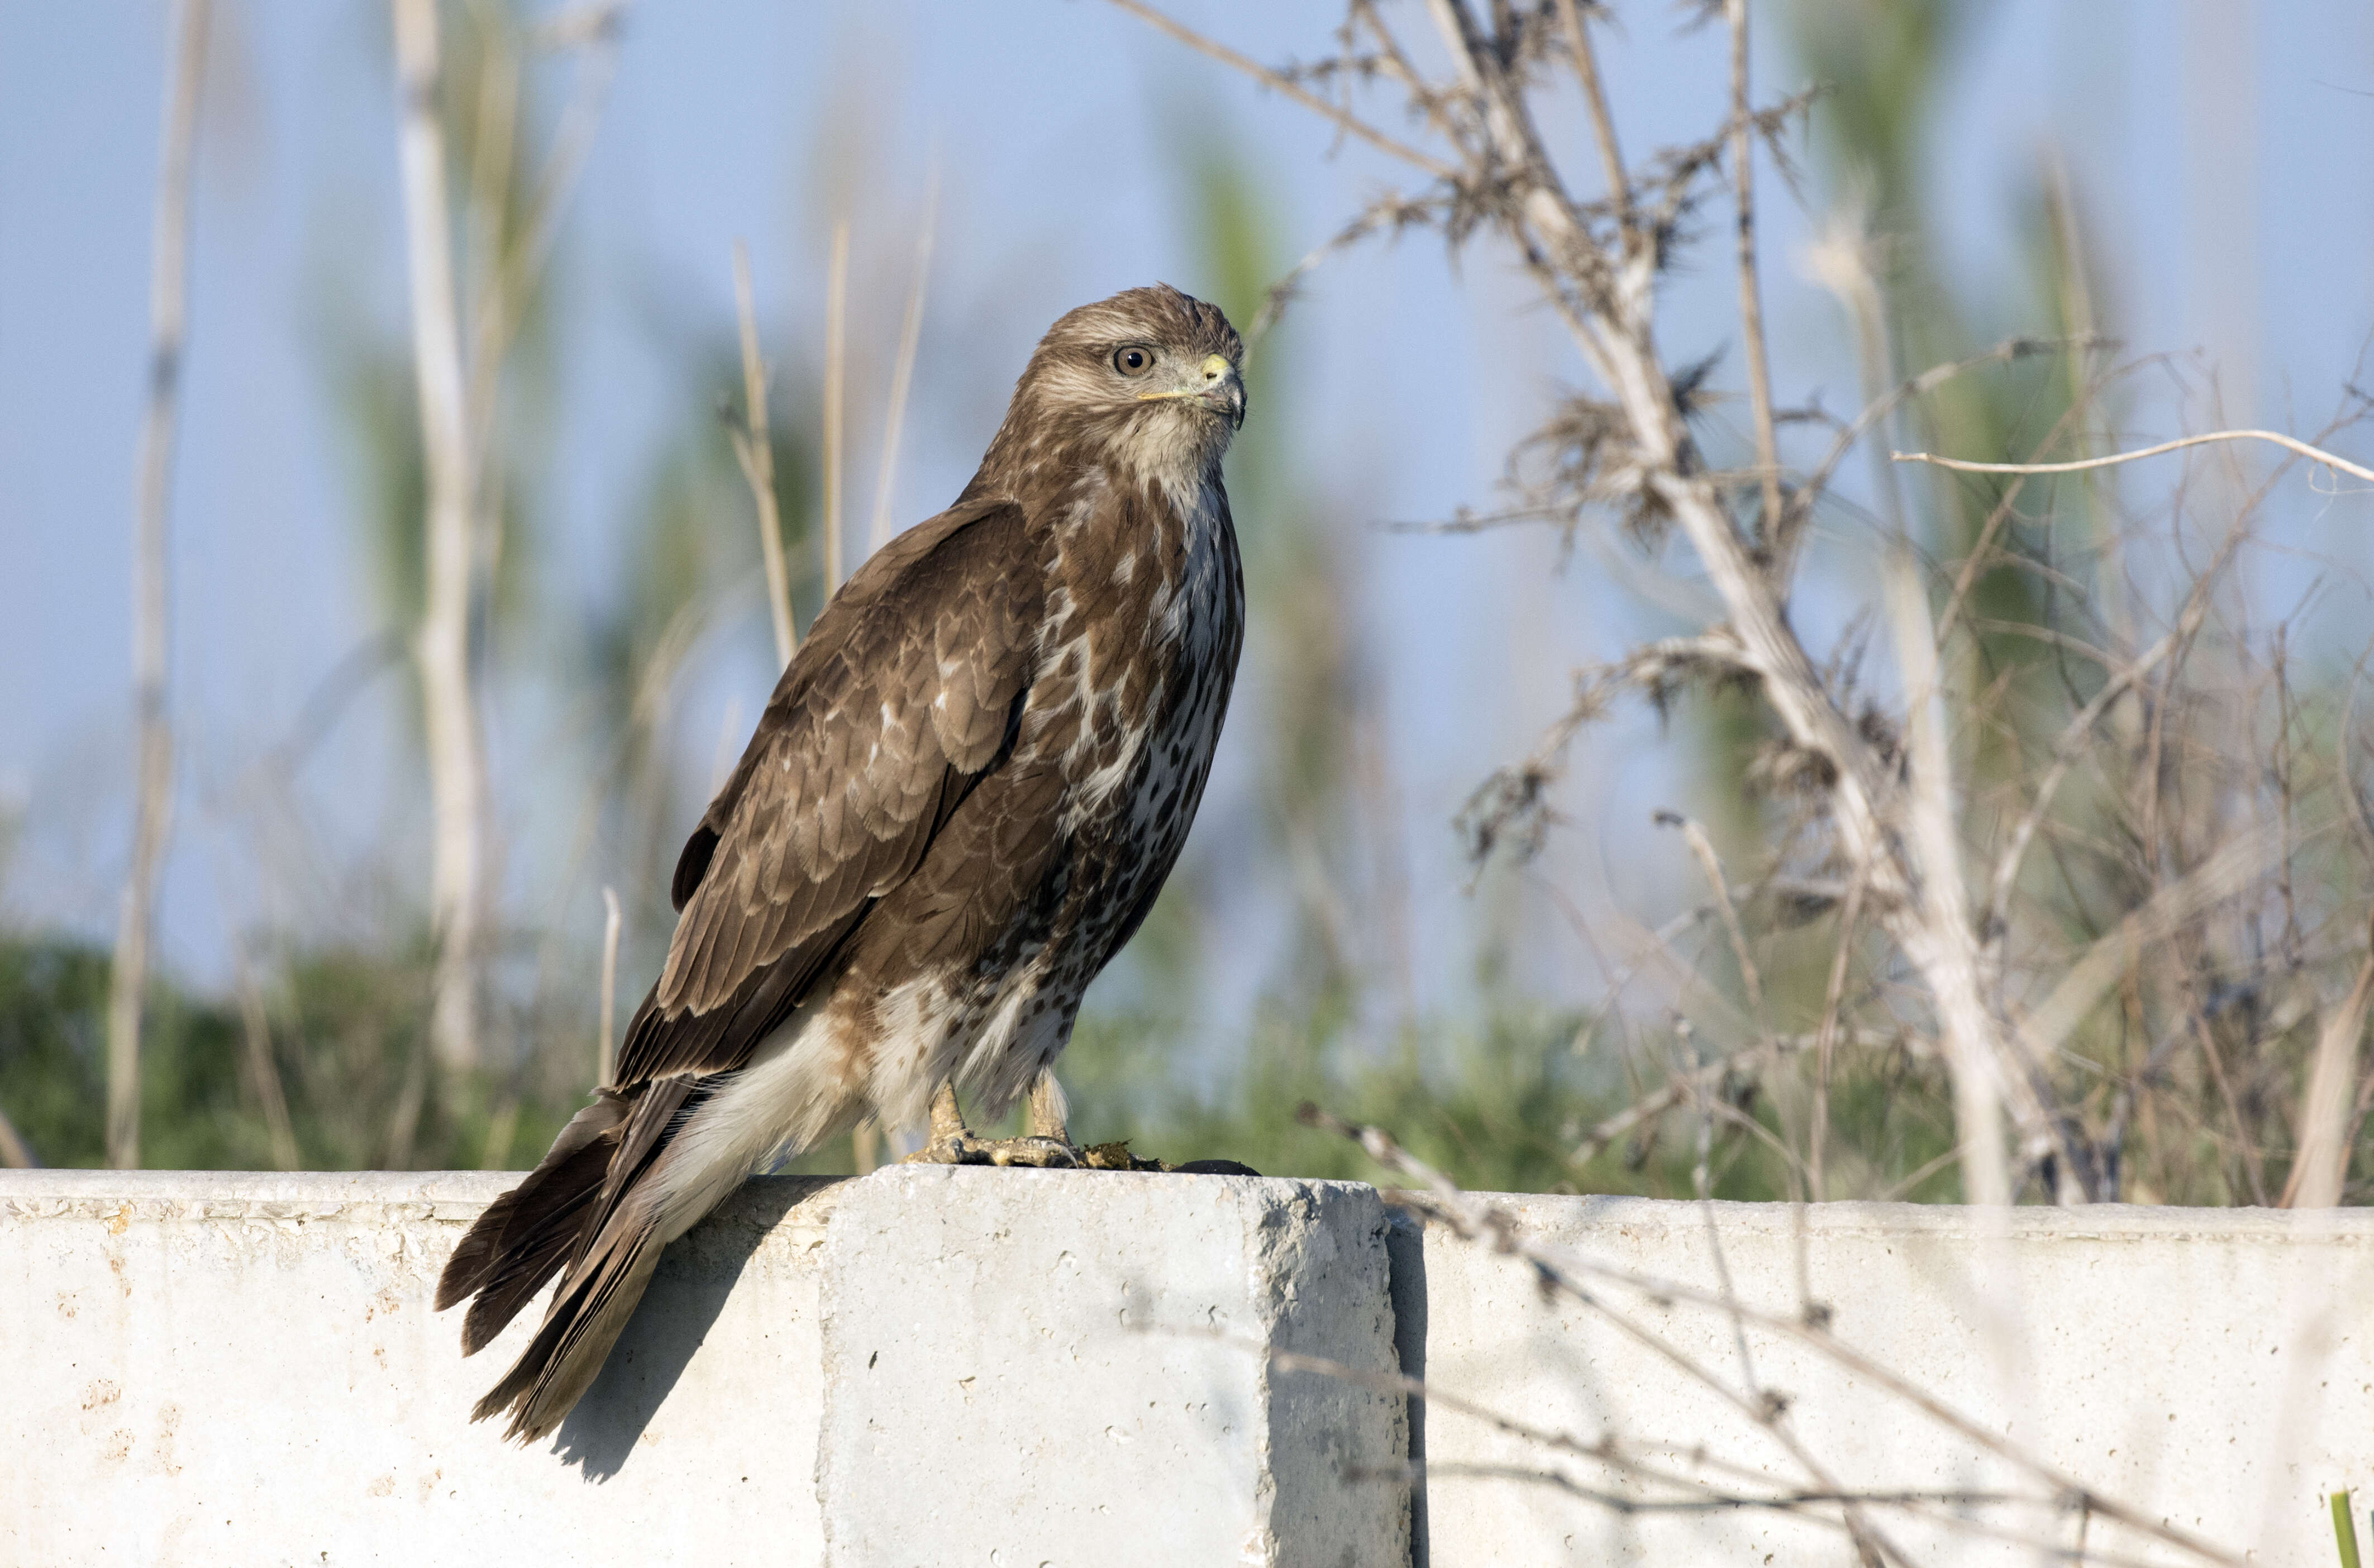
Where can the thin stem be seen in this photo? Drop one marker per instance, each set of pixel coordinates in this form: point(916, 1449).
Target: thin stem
point(755, 448)
point(607, 1059)
point(911, 338)
point(1962, 466)
point(1602, 121)
point(256, 1025)
point(1945, 926)
point(1751, 305)
point(169, 282)
point(2322, 1163)
point(1293, 89)
point(15, 1153)
point(836, 391)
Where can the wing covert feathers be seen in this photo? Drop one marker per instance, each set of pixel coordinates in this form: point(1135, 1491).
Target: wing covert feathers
point(905, 693)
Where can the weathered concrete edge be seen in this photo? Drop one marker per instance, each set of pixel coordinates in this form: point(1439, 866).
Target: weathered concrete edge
point(445, 1198)
point(2101, 1222)
point(458, 1195)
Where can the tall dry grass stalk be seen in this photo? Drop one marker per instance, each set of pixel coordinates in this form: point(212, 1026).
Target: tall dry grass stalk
point(836, 402)
point(152, 811)
point(754, 448)
point(449, 709)
point(607, 1050)
point(902, 374)
point(467, 309)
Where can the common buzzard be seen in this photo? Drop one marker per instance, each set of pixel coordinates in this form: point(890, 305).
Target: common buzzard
point(961, 800)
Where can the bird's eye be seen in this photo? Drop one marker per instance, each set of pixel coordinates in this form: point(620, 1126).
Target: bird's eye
point(1132, 360)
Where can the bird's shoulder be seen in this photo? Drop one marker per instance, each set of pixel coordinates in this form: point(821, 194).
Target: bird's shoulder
point(909, 667)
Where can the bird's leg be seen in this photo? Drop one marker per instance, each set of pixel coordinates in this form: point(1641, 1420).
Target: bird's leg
point(952, 1143)
point(1048, 1144)
point(1048, 1109)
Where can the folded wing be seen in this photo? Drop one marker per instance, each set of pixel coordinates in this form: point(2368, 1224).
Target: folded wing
point(905, 695)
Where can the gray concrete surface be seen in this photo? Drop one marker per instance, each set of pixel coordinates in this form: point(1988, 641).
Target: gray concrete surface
point(202, 1368)
point(1061, 1367)
point(2213, 1367)
point(1007, 1367)
point(1024, 1366)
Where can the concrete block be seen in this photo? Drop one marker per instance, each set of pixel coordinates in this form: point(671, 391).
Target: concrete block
point(1026, 1367)
point(2213, 1367)
point(205, 1368)
point(939, 1366)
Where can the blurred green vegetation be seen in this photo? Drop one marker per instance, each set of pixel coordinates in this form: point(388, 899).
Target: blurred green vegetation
point(343, 1034)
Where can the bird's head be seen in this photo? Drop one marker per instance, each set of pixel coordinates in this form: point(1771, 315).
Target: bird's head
point(1150, 376)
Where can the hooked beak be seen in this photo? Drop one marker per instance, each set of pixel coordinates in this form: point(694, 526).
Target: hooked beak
point(1216, 385)
point(1223, 391)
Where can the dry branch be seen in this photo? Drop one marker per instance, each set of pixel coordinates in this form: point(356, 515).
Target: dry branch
point(2079, 466)
point(911, 338)
point(606, 1052)
point(754, 449)
point(836, 392)
point(1559, 1270)
point(169, 282)
point(1286, 84)
point(15, 1153)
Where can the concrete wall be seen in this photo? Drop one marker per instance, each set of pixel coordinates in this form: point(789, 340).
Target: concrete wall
point(2213, 1367)
point(1003, 1366)
point(971, 1367)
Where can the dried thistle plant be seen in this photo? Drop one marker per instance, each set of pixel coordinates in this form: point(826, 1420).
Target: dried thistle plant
point(2098, 877)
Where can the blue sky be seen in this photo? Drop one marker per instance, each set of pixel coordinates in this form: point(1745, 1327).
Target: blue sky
point(2219, 151)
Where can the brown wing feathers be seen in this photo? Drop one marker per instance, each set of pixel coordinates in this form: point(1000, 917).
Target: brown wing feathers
point(892, 712)
point(906, 694)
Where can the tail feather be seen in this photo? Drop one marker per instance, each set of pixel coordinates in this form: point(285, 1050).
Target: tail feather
point(585, 1320)
point(525, 1236)
point(585, 1213)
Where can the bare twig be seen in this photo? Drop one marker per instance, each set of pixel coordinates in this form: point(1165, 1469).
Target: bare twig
point(1564, 1271)
point(257, 1026)
point(1944, 932)
point(2099, 969)
point(152, 812)
point(1825, 1039)
point(1708, 861)
point(1293, 89)
point(1751, 308)
point(1687, 1088)
point(1603, 122)
point(605, 1055)
point(2066, 750)
point(910, 337)
point(2322, 1162)
point(836, 392)
point(1877, 410)
point(754, 449)
point(16, 1154)
point(508, 278)
point(1963, 466)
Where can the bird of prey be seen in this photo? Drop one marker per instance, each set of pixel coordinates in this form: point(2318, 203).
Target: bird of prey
point(962, 798)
